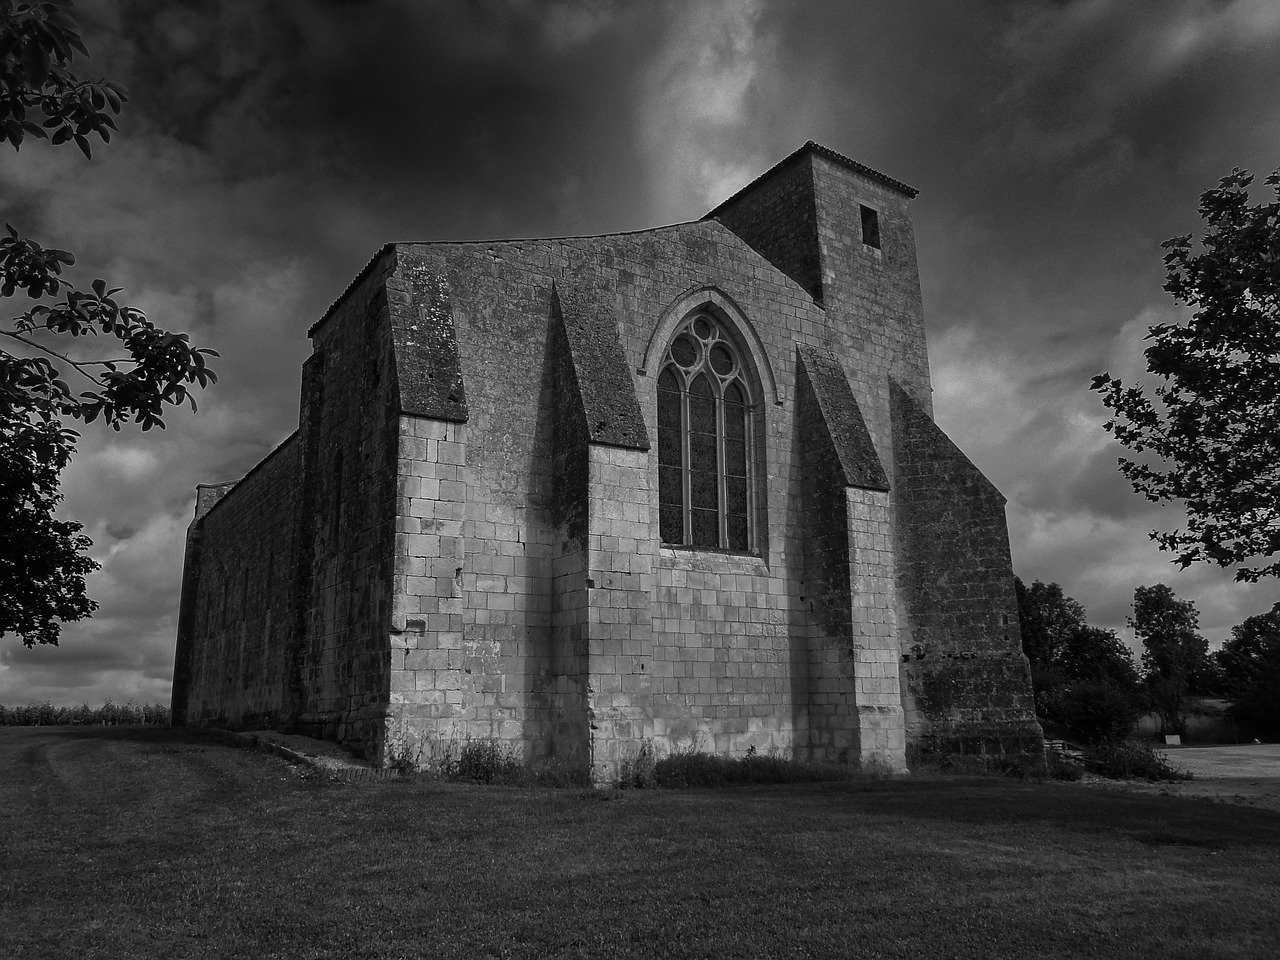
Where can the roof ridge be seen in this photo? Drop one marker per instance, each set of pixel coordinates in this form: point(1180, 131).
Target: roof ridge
point(396, 244)
point(812, 146)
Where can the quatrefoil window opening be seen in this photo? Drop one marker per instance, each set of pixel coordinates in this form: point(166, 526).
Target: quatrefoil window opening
point(705, 462)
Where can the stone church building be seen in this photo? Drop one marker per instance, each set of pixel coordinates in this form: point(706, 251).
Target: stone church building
point(672, 488)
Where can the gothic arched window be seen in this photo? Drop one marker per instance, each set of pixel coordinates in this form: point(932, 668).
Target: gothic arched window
point(705, 405)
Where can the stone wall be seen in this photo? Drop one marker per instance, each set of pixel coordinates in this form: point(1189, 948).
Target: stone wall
point(876, 289)
point(444, 684)
point(616, 648)
point(853, 698)
point(966, 682)
point(778, 216)
point(351, 400)
point(238, 599)
point(724, 636)
point(730, 640)
point(288, 578)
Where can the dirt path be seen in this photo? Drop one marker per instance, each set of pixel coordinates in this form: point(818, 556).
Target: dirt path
point(52, 765)
point(1238, 762)
point(1247, 774)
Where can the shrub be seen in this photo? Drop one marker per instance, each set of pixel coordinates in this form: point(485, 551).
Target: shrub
point(487, 761)
point(402, 758)
point(1096, 710)
point(1059, 766)
point(694, 769)
point(1131, 759)
point(493, 762)
point(638, 772)
point(681, 770)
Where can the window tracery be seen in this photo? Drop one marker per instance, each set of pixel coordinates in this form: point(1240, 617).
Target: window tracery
point(705, 461)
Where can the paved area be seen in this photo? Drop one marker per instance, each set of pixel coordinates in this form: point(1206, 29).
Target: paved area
point(321, 754)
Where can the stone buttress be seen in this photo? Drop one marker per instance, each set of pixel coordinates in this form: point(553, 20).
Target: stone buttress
point(855, 705)
point(603, 564)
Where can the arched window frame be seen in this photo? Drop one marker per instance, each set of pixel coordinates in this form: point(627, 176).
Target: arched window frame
point(719, 362)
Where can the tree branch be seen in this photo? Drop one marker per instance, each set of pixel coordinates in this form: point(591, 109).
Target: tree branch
point(77, 365)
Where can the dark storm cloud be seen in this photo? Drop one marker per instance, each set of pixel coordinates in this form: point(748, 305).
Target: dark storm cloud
point(1049, 139)
point(395, 100)
point(1052, 166)
point(196, 63)
point(270, 148)
point(266, 152)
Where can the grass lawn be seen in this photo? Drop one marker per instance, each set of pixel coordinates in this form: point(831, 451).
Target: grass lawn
point(142, 842)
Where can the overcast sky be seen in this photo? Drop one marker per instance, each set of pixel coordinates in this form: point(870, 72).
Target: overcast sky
point(270, 148)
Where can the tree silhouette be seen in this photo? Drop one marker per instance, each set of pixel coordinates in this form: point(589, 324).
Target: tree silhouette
point(1213, 422)
point(1174, 650)
point(43, 564)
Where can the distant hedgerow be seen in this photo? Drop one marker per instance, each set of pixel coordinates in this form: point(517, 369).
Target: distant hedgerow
point(109, 714)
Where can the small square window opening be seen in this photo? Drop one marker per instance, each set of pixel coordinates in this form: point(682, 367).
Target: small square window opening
point(870, 227)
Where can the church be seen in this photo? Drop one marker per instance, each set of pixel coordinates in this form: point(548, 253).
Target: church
point(670, 489)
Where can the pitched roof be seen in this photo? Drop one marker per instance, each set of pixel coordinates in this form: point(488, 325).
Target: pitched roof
point(812, 146)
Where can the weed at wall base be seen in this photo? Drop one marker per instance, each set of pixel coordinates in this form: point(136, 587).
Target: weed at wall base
point(692, 768)
point(486, 761)
point(638, 772)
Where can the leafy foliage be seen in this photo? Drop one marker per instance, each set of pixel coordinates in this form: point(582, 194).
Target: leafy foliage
point(1250, 663)
point(1049, 618)
point(1095, 655)
point(42, 573)
point(1082, 676)
point(1175, 653)
point(39, 95)
point(1098, 711)
point(42, 565)
point(1213, 422)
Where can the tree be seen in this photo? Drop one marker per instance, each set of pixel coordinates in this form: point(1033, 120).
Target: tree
point(1250, 663)
point(1097, 711)
point(1082, 676)
point(44, 564)
point(42, 567)
point(1174, 650)
point(1097, 655)
point(1213, 425)
point(1101, 699)
point(1048, 616)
